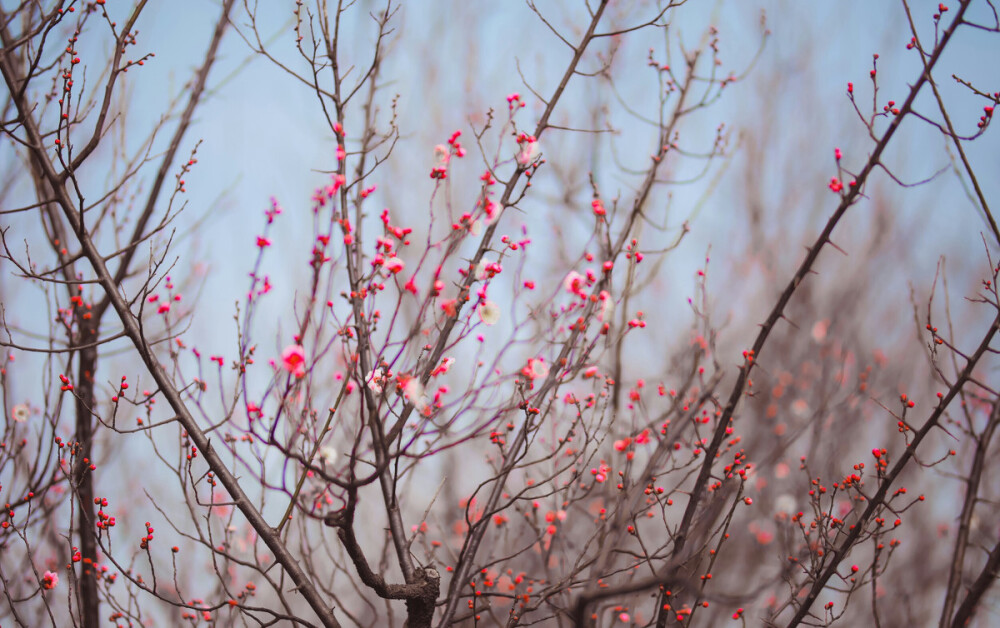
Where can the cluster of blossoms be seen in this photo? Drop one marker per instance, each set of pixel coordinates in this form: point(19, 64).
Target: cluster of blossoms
point(529, 149)
point(442, 155)
point(514, 102)
point(378, 380)
point(385, 252)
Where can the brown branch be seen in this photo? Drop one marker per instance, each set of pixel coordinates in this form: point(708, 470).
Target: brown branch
point(420, 593)
point(876, 501)
point(983, 205)
point(965, 519)
point(847, 200)
point(476, 533)
point(109, 89)
point(132, 328)
point(185, 122)
point(986, 578)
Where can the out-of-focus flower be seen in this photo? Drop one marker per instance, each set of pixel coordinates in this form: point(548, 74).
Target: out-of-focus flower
point(414, 392)
point(376, 380)
point(441, 154)
point(489, 312)
point(20, 412)
point(442, 368)
point(327, 455)
point(536, 369)
point(293, 358)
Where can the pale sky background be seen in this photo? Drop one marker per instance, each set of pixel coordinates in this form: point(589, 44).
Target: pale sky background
point(450, 61)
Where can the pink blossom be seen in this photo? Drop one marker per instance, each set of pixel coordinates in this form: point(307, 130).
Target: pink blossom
point(394, 265)
point(441, 154)
point(574, 282)
point(377, 379)
point(607, 306)
point(529, 151)
point(293, 358)
point(414, 392)
point(442, 368)
point(411, 286)
point(50, 580)
point(536, 368)
point(450, 307)
point(20, 413)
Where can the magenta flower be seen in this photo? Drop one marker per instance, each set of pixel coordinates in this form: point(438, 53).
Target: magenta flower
point(50, 580)
point(293, 358)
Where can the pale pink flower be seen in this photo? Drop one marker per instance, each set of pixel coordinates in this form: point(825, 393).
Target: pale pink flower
point(394, 265)
point(607, 306)
point(20, 412)
point(327, 455)
point(573, 283)
point(537, 368)
point(488, 312)
point(482, 270)
point(376, 380)
point(293, 358)
point(414, 392)
point(529, 151)
point(442, 368)
point(441, 154)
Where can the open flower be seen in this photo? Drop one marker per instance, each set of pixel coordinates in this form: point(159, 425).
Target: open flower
point(414, 392)
point(529, 151)
point(488, 312)
point(574, 282)
point(442, 368)
point(20, 412)
point(327, 455)
point(394, 265)
point(536, 369)
point(50, 580)
point(441, 155)
point(376, 380)
point(293, 358)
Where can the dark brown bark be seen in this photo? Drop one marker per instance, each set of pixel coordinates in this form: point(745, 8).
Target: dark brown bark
point(83, 480)
point(422, 588)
